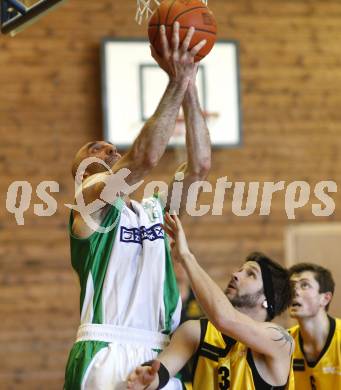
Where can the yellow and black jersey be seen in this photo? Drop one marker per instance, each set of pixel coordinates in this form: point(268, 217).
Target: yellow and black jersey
point(190, 311)
point(325, 372)
point(222, 363)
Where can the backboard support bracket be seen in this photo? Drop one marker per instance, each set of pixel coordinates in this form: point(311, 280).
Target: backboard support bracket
point(15, 16)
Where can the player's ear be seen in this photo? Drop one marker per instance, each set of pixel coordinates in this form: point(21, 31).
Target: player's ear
point(326, 298)
point(265, 304)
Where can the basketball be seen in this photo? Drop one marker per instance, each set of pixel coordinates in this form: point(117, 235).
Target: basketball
point(188, 13)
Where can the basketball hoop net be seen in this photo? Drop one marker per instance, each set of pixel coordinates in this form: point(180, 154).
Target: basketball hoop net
point(146, 7)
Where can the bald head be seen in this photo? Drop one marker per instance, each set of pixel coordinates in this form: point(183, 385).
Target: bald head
point(102, 150)
point(82, 153)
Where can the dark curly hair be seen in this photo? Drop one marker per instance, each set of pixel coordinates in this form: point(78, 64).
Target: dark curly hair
point(280, 281)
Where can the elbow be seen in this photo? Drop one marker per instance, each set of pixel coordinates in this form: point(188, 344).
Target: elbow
point(205, 167)
point(220, 323)
point(144, 160)
point(150, 160)
point(202, 169)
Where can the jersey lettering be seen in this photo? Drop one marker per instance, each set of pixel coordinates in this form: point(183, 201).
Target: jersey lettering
point(313, 383)
point(224, 375)
point(137, 235)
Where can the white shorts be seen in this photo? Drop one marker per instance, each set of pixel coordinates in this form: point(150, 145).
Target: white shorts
point(126, 349)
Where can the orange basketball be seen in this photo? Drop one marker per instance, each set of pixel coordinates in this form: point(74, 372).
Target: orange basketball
point(188, 13)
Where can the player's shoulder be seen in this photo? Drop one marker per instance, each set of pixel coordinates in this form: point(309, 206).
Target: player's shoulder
point(154, 203)
point(154, 199)
point(284, 333)
point(159, 197)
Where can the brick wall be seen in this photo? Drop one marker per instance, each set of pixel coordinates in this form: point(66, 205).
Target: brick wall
point(50, 105)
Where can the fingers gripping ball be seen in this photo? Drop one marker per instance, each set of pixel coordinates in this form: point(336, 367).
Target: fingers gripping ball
point(188, 13)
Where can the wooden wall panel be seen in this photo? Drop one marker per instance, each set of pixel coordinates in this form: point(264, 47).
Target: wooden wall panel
point(290, 60)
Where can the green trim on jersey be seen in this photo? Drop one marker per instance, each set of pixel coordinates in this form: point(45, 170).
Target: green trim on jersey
point(81, 355)
point(170, 289)
point(171, 294)
point(92, 255)
point(90, 258)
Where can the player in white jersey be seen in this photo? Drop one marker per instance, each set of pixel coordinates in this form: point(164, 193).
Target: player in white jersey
point(129, 300)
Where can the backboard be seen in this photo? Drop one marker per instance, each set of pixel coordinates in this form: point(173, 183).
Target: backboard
point(16, 15)
point(133, 84)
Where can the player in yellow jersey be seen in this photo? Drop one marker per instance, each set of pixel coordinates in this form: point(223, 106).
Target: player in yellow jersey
point(238, 348)
point(317, 355)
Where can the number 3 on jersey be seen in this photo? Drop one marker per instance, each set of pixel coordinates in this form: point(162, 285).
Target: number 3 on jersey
point(223, 378)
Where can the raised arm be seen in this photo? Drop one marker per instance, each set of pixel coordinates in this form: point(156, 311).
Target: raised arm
point(262, 337)
point(178, 61)
point(148, 148)
point(151, 143)
point(198, 142)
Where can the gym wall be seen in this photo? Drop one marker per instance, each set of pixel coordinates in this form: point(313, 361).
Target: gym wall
point(50, 104)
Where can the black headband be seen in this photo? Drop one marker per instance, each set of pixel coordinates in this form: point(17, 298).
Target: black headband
point(268, 287)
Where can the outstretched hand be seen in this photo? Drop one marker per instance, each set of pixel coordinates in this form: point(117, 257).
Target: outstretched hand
point(178, 60)
point(144, 377)
point(178, 240)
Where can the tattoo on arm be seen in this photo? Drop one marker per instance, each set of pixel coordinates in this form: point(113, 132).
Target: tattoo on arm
point(283, 336)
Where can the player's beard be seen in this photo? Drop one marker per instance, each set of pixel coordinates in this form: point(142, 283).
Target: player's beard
point(247, 300)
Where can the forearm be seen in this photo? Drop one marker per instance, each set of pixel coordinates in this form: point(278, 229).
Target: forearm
point(153, 139)
point(209, 295)
point(197, 135)
point(183, 344)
